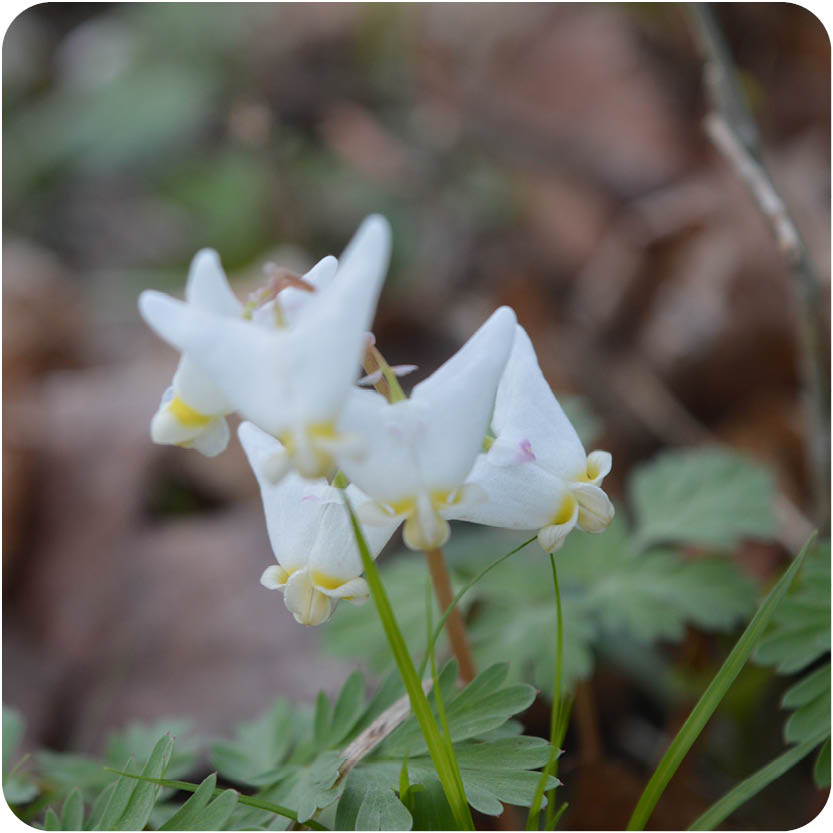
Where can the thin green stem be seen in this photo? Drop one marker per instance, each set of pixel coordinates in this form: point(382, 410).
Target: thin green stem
point(555, 721)
point(713, 695)
point(248, 800)
point(752, 785)
point(419, 702)
point(556, 692)
point(462, 592)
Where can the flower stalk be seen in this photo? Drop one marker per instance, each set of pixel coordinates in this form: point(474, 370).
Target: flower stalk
point(454, 624)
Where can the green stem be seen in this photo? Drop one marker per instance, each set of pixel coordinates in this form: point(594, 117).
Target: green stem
point(419, 702)
point(555, 722)
point(556, 693)
point(248, 800)
point(752, 785)
point(463, 590)
point(712, 696)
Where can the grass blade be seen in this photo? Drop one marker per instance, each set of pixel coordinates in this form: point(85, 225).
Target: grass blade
point(752, 785)
point(712, 696)
point(419, 702)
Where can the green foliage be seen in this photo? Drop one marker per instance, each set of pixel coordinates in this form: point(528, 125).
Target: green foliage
point(798, 637)
point(627, 586)
point(709, 497)
point(18, 785)
point(200, 812)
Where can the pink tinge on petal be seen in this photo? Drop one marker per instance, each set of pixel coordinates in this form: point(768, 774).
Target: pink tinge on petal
point(310, 497)
point(526, 454)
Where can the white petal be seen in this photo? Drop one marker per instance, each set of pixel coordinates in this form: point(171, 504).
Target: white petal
point(528, 415)
point(197, 389)
point(274, 577)
point(388, 471)
point(595, 509)
point(308, 605)
point(329, 338)
point(552, 538)
point(208, 287)
point(356, 590)
point(599, 464)
point(292, 514)
point(249, 364)
point(459, 397)
point(293, 301)
point(213, 439)
point(518, 497)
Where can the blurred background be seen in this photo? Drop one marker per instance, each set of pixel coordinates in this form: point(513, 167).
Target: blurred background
point(546, 156)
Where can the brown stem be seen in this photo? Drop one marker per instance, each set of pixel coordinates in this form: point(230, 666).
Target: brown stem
point(371, 365)
point(454, 624)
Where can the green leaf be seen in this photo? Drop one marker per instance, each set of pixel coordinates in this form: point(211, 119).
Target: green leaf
point(14, 726)
point(51, 820)
point(800, 630)
point(18, 789)
point(72, 813)
point(261, 745)
point(712, 696)
point(99, 807)
point(347, 710)
point(200, 813)
point(139, 739)
point(370, 803)
point(430, 809)
point(610, 594)
point(711, 497)
point(131, 801)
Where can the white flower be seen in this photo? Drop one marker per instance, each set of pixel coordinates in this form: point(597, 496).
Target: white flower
point(291, 381)
point(536, 473)
point(422, 449)
point(311, 535)
point(193, 409)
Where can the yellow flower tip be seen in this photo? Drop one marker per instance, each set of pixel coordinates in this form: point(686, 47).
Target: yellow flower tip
point(186, 415)
point(323, 580)
point(565, 510)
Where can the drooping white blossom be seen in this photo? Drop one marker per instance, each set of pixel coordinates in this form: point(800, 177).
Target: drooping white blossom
point(193, 409)
point(311, 535)
point(536, 474)
point(421, 450)
point(291, 380)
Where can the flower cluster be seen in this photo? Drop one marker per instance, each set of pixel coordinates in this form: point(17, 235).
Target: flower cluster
point(482, 439)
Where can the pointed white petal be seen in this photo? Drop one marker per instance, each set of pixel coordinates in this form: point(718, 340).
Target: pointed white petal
point(249, 364)
point(293, 301)
point(528, 415)
point(208, 287)
point(595, 511)
point(388, 471)
point(518, 497)
point(328, 341)
point(458, 399)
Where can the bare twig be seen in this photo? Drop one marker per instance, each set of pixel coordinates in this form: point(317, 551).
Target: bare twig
point(374, 734)
point(731, 128)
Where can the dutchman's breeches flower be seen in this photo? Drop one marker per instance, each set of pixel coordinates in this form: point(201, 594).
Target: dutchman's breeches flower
point(421, 450)
point(292, 379)
point(311, 535)
point(536, 473)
